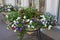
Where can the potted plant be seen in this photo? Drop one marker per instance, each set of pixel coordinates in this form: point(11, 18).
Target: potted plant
point(25, 20)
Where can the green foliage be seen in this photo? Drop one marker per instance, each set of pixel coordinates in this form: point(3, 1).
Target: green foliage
point(50, 18)
point(30, 12)
point(13, 15)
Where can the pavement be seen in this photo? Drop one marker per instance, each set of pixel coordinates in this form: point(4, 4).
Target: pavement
point(6, 34)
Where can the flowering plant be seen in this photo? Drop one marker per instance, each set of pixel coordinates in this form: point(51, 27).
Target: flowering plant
point(26, 18)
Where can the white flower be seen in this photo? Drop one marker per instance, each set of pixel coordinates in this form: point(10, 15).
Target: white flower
point(42, 16)
point(41, 29)
point(46, 21)
point(24, 17)
point(6, 16)
point(12, 25)
point(27, 20)
point(43, 22)
point(32, 26)
point(8, 9)
point(31, 22)
point(15, 30)
point(49, 27)
point(14, 21)
point(23, 20)
point(37, 19)
point(28, 26)
point(45, 25)
point(18, 18)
